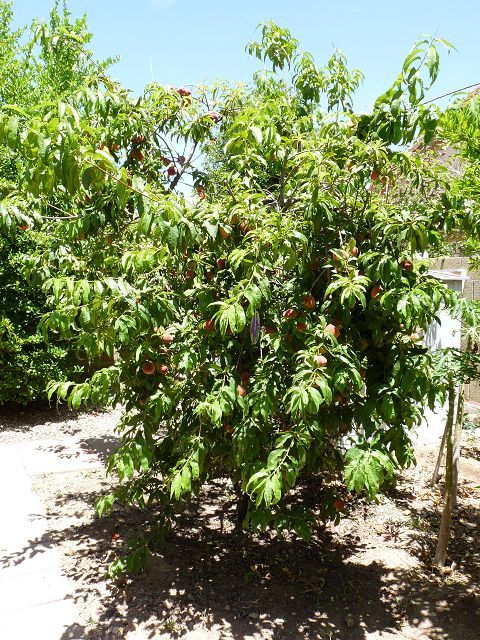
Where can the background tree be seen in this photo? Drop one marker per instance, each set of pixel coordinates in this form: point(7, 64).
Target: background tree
point(36, 67)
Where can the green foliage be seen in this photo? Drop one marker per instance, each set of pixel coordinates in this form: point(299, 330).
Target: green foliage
point(266, 324)
point(36, 68)
point(26, 361)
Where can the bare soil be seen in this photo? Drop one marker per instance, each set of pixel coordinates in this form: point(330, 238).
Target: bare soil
point(369, 578)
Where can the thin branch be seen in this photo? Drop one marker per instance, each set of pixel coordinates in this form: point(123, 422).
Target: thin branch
point(183, 169)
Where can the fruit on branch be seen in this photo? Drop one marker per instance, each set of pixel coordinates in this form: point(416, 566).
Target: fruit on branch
point(221, 263)
point(171, 170)
point(301, 326)
point(214, 116)
point(333, 329)
point(183, 91)
point(376, 291)
point(290, 314)
point(189, 274)
point(407, 265)
point(309, 302)
point(354, 252)
point(245, 377)
point(242, 392)
point(244, 226)
point(320, 361)
point(209, 325)
point(339, 504)
point(163, 369)
point(224, 233)
point(167, 338)
point(148, 368)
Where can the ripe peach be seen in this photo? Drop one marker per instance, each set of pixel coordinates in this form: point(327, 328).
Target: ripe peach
point(245, 377)
point(148, 368)
point(320, 361)
point(290, 314)
point(213, 115)
point(376, 291)
point(309, 302)
point(167, 338)
point(242, 392)
point(333, 329)
point(339, 504)
point(209, 325)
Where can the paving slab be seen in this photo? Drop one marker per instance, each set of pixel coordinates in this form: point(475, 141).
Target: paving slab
point(35, 596)
point(50, 621)
point(57, 456)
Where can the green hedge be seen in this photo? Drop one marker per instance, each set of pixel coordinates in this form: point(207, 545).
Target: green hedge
point(27, 363)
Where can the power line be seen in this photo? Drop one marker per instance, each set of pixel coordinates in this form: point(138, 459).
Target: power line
point(451, 93)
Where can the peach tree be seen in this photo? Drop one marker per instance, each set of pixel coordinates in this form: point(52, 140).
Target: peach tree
point(246, 259)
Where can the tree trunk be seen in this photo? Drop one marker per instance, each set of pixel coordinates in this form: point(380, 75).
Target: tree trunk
point(450, 419)
point(242, 506)
point(444, 533)
point(457, 438)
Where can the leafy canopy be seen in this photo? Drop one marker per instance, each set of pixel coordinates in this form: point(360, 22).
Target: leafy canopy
point(248, 255)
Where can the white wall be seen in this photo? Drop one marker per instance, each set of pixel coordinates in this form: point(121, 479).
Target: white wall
point(440, 335)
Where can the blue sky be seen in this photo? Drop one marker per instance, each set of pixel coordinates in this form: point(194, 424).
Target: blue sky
point(189, 41)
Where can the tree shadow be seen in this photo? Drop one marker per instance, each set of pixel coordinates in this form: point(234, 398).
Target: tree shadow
point(235, 585)
point(25, 418)
point(101, 447)
point(209, 576)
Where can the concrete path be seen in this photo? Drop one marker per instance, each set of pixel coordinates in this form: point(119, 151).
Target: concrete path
point(35, 597)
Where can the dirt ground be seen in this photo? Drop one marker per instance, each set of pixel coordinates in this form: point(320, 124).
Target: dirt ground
point(368, 578)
